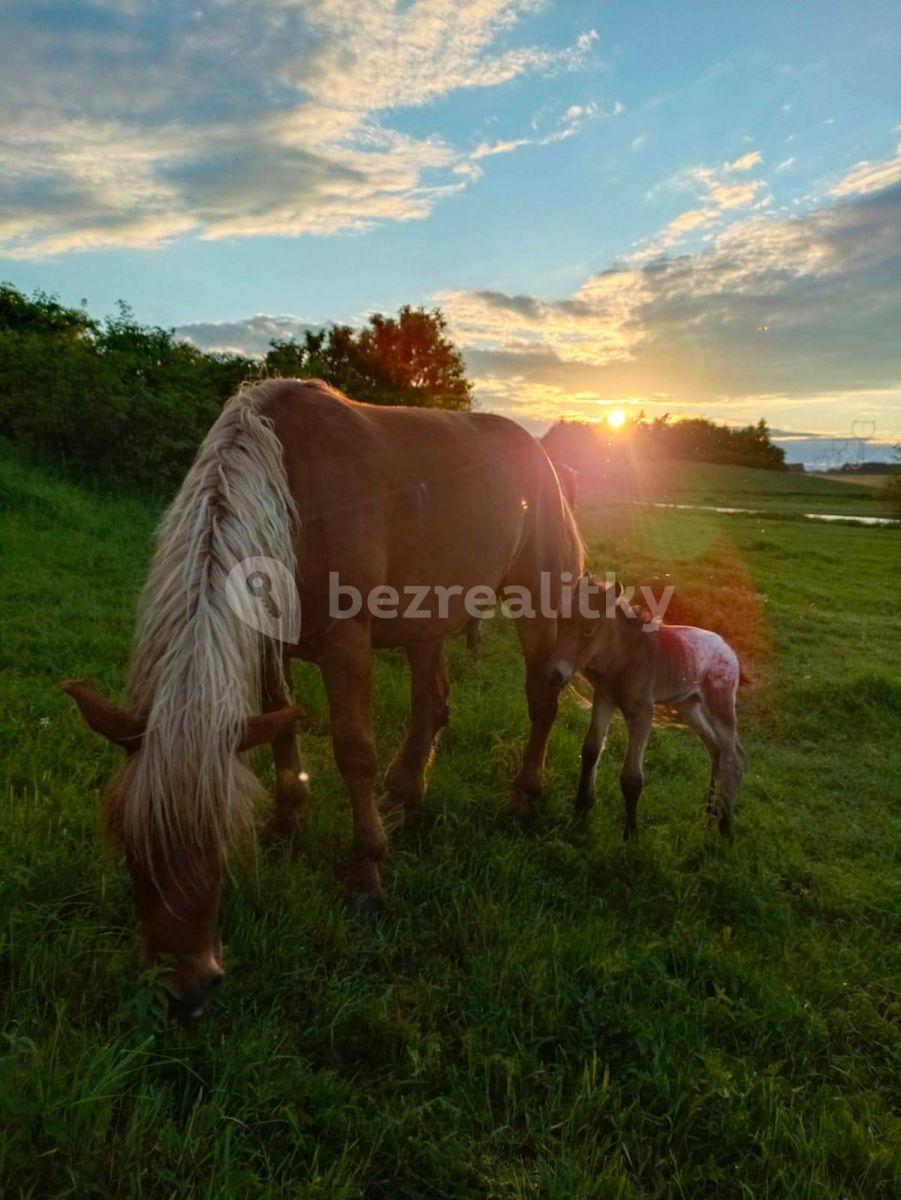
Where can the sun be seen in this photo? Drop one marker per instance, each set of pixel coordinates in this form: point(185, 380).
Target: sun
point(616, 417)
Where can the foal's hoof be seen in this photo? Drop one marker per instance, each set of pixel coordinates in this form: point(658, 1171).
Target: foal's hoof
point(369, 903)
point(521, 806)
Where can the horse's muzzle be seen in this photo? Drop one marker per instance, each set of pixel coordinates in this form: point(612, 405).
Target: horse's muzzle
point(559, 674)
point(193, 1001)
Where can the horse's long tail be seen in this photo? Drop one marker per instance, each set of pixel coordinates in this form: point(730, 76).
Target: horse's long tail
point(196, 669)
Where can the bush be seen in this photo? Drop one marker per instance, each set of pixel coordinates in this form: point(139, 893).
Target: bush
point(130, 403)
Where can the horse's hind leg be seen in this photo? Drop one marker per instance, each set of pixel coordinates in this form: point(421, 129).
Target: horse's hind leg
point(405, 779)
point(292, 789)
point(536, 637)
point(346, 667)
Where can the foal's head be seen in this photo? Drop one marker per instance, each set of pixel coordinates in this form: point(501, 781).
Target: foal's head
point(587, 632)
point(177, 876)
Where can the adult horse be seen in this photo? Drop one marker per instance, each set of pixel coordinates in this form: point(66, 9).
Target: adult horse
point(337, 492)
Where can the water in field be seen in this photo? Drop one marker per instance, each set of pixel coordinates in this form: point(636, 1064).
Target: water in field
point(717, 508)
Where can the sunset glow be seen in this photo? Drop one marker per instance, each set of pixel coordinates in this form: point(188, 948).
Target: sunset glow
point(616, 417)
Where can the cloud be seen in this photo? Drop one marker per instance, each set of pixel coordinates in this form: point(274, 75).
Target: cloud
point(746, 162)
point(776, 315)
point(573, 121)
point(718, 193)
point(128, 124)
point(786, 164)
point(250, 337)
point(870, 177)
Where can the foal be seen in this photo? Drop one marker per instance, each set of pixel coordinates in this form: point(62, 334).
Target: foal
point(633, 668)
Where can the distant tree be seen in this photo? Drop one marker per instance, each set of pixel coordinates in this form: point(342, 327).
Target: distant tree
point(893, 484)
point(407, 360)
point(594, 446)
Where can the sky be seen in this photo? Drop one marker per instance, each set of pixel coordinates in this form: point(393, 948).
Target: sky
point(690, 208)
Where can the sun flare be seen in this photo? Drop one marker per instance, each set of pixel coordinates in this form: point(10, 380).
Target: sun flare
point(616, 417)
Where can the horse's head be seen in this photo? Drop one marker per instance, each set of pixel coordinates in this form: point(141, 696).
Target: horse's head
point(177, 881)
point(583, 631)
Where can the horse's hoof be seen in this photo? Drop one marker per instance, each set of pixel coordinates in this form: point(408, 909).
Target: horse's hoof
point(583, 805)
point(279, 834)
point(395, 802)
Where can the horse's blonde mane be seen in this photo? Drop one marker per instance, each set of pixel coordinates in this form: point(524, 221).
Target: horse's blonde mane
point(196, 668)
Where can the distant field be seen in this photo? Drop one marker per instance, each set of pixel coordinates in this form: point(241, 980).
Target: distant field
point(548, 1014)
point(709, 484)
point(870, 481)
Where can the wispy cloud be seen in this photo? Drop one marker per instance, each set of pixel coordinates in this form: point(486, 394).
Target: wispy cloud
point(130, 124)
point(870, 177)
point(718, 191)
point(573, 121)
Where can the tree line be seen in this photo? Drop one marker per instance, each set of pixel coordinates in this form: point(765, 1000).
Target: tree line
point(591, 447)
point(126, 402)
point(123, 402)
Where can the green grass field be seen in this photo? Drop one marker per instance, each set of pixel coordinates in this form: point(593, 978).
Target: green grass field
point(542, 1014)
point(743, 487)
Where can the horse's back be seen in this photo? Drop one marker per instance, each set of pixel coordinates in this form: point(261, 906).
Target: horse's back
point(401, 496)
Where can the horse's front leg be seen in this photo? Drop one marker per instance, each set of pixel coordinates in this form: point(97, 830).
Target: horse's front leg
point(536, 638)
point(346, 669)
point(429, 688)
point(292, 788)
point(631, 779)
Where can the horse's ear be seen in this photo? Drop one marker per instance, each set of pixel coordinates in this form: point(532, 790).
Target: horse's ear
point(116, 724)
point(617, 588)
point(267, 726)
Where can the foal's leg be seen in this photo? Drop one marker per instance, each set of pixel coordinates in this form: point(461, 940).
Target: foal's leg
point(713, 720)
point(631, 778)
point(592, 749)
point(429, 688)
point(536, 638)
point(697, 718)
point(292, 789)
point(346, 667)
point(720, 711)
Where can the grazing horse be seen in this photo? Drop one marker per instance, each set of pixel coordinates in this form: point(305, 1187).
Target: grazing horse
point(634, 665)
point(343, 496)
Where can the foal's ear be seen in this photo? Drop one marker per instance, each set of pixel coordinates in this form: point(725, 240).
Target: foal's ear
point(617, 588)
point(116, 724)
point(267, 726)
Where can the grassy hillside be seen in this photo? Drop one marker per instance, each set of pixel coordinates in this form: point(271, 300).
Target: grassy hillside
point(550, 1014)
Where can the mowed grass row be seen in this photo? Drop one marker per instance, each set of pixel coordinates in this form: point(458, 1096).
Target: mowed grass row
point(541, 1014)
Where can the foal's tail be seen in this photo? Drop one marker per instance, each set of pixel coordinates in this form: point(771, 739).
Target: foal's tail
point(197, 668)
point(744, 679)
